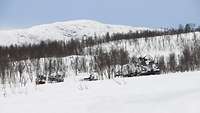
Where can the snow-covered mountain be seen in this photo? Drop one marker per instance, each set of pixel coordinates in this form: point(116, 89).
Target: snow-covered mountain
point(61, 31)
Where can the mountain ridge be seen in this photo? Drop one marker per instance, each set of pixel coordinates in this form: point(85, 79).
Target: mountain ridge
point(62, 31)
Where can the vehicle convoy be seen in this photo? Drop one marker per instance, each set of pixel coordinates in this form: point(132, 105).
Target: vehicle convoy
point(142, 66)
point(42, 79)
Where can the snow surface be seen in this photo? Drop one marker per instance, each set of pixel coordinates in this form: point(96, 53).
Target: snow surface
point(62, 31)
point(171, 93)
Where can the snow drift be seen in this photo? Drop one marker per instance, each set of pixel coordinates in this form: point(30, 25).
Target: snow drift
point(172, 93)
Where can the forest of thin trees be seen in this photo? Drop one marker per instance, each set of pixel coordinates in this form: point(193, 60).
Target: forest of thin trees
point(17, 59)
point(189, 60)
point(76, 47)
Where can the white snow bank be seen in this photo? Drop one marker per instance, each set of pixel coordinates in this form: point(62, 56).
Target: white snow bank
point(172, 93)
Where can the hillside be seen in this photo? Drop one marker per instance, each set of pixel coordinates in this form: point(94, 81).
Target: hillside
point(61, 31)
point(154, 46)
point(106, 55)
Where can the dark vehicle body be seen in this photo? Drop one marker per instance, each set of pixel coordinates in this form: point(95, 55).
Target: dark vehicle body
point(40, 79)
point(90, 78)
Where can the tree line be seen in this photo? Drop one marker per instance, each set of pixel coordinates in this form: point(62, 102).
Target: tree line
point(188, 60)
point(26, 58)
point(76, 46)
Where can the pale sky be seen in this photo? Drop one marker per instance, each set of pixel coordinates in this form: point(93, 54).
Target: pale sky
point(149, 13)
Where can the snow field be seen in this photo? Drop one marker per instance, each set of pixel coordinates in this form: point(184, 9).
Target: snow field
point(172, 93)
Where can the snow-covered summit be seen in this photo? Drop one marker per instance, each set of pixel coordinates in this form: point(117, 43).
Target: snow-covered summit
point(61, 31)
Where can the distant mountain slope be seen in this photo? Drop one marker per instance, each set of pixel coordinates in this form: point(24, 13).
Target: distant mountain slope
point(61, 31)
point(154, 46)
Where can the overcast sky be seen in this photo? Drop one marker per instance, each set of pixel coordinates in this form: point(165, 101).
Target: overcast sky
point(150, 13)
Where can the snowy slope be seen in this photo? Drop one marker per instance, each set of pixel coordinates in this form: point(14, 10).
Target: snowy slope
point(172, 93)
point(153, 46)
point(61, 31)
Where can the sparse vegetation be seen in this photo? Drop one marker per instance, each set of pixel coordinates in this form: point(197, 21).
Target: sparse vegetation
point(20, 63)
